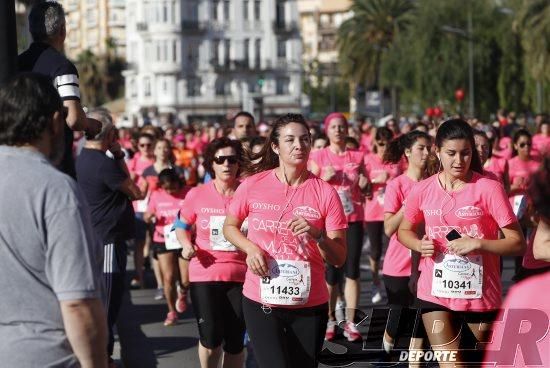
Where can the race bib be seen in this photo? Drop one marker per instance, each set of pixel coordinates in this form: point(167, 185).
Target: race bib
point(217, 240)
point(519, 205)
point(347, 203)
point(288, 283)
point(459, 277)
point(170, 240)
point(380, 196)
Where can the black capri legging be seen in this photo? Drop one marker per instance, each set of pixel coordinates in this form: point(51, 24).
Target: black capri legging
point(402, 313)
point(375, 233)
point(354, 241)
point(218, 310)
point(285, 337)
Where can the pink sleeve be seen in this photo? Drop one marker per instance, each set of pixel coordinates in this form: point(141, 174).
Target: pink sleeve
point(413, 213)
point(187, 210)
point(392, 202)
point(239, 203)
point(335, 218)
point(132, 165)
point(499, 206)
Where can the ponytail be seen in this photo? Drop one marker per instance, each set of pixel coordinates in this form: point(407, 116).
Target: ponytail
point(396, 148)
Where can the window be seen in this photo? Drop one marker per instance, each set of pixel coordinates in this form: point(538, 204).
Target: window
point(226, 58)
point(257, 7)
point(280, 14)
point(159, 51)
point(226, 10)
point(147, 86)
point(281, 49)
point(175, 51)
point(133, 89)
point(245, 9)
point(281, 86)
point(215, 4)
point(221, 87)
point(246, 51)
point(164, 12)
point(193, 87)
point(215, 52)
point(257, 53)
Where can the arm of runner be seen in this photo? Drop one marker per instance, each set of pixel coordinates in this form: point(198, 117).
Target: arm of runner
point(392, 221)
point(255, 257)
point(188, 250)
point(513, 243)
point(541, 244)
point(314, 168)
point(406, 234)
point(332, 245)
point(86, 328)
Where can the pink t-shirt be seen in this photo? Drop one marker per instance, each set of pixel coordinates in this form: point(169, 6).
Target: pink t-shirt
point(346, 179)
point(165, 207)
point(541, 143)
point(478, 209)
point(496, 166)
point(374, 208)
point(397, 261)
point(522, 321)
point(505, 146)
point(366, 143)
point(269, 212)
point(525, 169)
point(205, 207)
point(136, 165)
point(529, 260)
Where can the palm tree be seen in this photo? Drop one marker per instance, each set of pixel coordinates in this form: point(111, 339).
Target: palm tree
point(91, 82)
point(363, 38)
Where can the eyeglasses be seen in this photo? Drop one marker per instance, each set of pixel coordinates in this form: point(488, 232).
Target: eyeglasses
point(145, 144)
point(522, 145)
point(221, 159)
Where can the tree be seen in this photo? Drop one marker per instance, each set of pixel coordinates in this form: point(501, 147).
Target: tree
point(364, 38)
point(91, 83)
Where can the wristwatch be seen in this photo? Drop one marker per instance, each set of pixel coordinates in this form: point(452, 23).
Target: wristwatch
point(321, 237)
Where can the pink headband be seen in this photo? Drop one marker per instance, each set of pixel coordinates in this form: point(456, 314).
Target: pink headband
point(334, 115)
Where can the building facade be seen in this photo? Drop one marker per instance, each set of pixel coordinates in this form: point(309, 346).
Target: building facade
point(95, 25)
point(200, 59)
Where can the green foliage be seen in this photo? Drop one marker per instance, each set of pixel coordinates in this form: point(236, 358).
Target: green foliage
point(324, 87)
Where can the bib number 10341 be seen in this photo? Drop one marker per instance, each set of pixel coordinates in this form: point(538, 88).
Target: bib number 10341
point(458, 276)
point(288, 283)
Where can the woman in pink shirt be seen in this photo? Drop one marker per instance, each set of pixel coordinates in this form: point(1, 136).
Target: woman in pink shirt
point(379, 174)
point(344, 170)
point(541, 140)
point(162, 209)
point(216, 267)
point(493, 167)
point(522, 166)
point(397, 271)
point(296, 223)
point(460, 266)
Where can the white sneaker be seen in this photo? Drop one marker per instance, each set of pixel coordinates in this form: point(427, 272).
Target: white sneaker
point(376, 295)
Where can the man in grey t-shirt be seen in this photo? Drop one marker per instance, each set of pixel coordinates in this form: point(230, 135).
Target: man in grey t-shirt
point(50, 262)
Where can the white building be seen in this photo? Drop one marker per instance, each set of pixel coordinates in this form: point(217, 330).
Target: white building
point(204, 58)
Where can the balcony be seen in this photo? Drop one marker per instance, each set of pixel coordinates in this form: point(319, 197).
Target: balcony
point(193, 27)
point(281, 27)
point(237, 66)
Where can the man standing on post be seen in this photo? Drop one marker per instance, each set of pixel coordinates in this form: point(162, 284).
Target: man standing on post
point(108, 188)
point(47, 27)
point(50, 260)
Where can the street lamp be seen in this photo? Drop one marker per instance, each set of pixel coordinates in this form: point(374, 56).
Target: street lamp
point(467, 34)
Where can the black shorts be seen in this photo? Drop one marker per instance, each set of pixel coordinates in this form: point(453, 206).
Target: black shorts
point(354, 242)
point(468, 317)
point(286, 337)
point(160, 248)
point(219, 313)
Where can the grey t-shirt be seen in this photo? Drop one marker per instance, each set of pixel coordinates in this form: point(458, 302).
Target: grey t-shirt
point(48, 253)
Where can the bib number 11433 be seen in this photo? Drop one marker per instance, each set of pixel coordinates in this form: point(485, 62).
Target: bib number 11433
point(288, 283)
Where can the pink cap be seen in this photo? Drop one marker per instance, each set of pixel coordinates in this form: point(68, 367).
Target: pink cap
point(334, 115)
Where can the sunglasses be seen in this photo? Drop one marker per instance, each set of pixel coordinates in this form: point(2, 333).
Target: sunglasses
point(221, 159)
point(522, 145)
point(145, 144)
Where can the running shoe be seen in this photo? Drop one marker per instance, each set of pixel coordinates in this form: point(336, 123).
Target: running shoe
point(135, 284)
point(181, 302)
point(351, 332)
point(171, 319)
point(330, 333)
point(159, 294)
point(376, 295)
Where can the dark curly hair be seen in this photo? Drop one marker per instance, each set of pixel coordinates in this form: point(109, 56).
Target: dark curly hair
point(268, 159)
point(27, 104)
point(218, 144)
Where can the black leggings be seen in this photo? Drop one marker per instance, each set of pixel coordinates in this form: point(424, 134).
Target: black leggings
point(219, 314)
point(284, 337)
point(375, 232)
point(400, 301)
point(354, 241)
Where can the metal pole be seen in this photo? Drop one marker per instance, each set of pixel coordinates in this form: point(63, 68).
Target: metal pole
point(471, 61)
point(8, 40)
